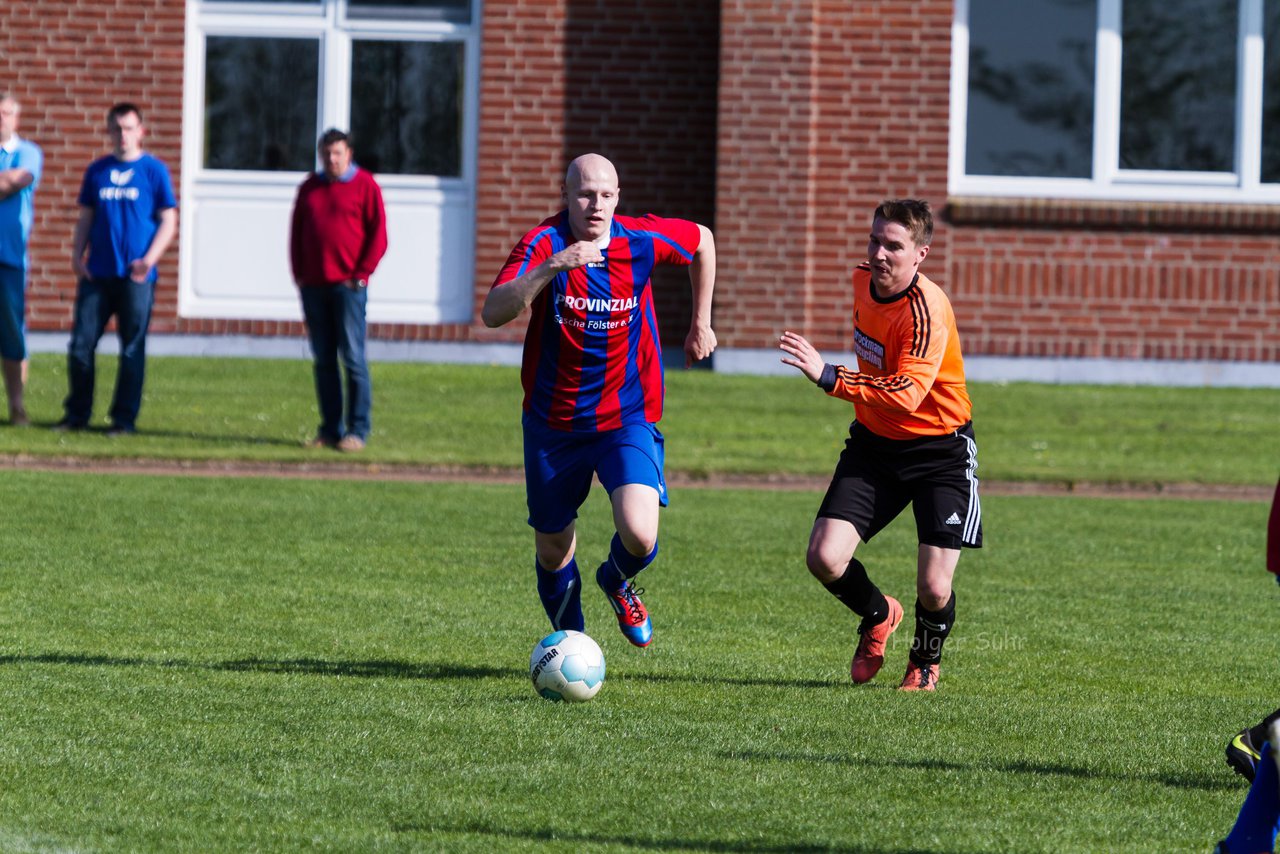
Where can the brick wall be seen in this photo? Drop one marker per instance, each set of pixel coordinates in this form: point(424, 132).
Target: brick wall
point(637, 84)
point(814, 99)
point(827, 108)
point(1201, 286)
point(68, 62)
point(778, 122)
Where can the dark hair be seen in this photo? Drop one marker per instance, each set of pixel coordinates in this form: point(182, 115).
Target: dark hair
point(124, 108)
point(912, 214)
point(333, 135)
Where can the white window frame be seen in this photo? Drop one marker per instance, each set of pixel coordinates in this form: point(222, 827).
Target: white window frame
point(411, 200)
point(1108, 180)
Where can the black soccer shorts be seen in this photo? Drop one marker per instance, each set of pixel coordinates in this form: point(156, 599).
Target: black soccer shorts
point(876, 478)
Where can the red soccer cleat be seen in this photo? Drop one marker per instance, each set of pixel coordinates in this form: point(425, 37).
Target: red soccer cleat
point(869, 656)
point(920, 678)
point(633, 617)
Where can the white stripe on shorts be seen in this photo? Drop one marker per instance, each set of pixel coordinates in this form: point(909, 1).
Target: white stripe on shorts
point(973, 519)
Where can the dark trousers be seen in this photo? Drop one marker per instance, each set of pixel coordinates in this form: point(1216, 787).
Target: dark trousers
point(97, 300)
point(335, 316)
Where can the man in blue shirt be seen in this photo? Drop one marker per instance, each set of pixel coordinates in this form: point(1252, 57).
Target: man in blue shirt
point(128, 218)
point(20, 165)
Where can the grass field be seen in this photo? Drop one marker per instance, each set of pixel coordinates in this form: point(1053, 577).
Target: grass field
point(223, 409)
point(254, 664)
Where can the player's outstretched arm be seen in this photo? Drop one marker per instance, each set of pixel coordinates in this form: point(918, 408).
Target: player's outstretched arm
point(504, 302)
point(701, 340)
point(803, 355)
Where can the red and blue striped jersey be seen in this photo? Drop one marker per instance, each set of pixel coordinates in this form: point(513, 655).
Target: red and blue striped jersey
point(592, 354)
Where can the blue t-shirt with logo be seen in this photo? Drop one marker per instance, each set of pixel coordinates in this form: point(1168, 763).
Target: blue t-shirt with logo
point(127, 198)
point(17, 211)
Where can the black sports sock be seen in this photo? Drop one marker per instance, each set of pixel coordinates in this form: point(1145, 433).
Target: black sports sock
point(932, 628)
point(856, 591)
point(1258, 734)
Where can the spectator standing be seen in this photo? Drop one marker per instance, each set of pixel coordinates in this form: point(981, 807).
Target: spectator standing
point(338, 236)
point(21, 162)
point(128, 218)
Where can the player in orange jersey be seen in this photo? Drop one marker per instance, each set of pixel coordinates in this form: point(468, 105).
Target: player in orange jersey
point(911, 443)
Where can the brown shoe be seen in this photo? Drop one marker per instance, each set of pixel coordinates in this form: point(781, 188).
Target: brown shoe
point(350, 443)
point(317, 443)
point(19, 418)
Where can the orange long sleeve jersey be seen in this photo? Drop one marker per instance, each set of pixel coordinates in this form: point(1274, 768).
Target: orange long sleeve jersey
point(910, 377)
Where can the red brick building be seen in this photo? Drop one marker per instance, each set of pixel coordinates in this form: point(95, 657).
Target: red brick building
point(1085, 212)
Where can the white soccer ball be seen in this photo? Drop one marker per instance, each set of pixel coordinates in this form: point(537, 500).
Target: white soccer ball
point(567, 665)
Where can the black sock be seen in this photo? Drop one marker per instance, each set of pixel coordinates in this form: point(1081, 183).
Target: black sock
point(855, 590)
point(932, 628)
point(1258, 734)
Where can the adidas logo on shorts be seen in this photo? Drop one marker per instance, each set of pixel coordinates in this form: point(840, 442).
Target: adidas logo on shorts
point(953, 519)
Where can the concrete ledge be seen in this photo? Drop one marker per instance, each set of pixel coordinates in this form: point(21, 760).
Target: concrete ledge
point(258, 347)
point(726, 360)
point(1041, 370)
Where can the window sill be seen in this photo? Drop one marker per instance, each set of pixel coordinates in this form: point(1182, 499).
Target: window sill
point(1118, 215)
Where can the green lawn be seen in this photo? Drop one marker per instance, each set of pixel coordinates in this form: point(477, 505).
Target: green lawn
point(213, 664)
point(241, 409)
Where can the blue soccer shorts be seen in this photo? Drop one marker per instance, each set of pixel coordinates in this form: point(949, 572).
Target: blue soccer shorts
point(559, 466)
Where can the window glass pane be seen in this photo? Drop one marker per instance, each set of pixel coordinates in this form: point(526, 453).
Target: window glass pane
point(260, 103)
point(406, 106)
point(1031, 70)
point(456, 11)
point(1178, 85)
point(1271, 92)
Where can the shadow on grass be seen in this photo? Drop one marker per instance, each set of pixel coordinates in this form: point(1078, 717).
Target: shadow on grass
point(1036, 769)
point(307, 666)
point(211, 439)
point(221, 439)
point(741, 681)
point(384, 669)
point(573, 840)
point(366, 669)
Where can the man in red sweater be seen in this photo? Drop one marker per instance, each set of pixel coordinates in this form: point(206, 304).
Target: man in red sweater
point(338, 236)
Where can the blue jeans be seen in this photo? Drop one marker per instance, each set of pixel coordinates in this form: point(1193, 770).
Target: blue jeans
point(96, 301)
point(13, 304)
point(335, 316)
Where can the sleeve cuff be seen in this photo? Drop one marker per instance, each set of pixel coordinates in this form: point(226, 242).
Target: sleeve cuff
point(827, 381)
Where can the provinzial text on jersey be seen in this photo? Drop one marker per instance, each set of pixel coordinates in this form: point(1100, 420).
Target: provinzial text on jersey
point(596, 303)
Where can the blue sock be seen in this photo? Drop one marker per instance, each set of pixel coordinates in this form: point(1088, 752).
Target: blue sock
point(561, 595)
point(1255, 827)
point(622, 565)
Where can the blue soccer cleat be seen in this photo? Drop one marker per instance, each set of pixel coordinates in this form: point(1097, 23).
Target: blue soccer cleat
point(633, 619)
